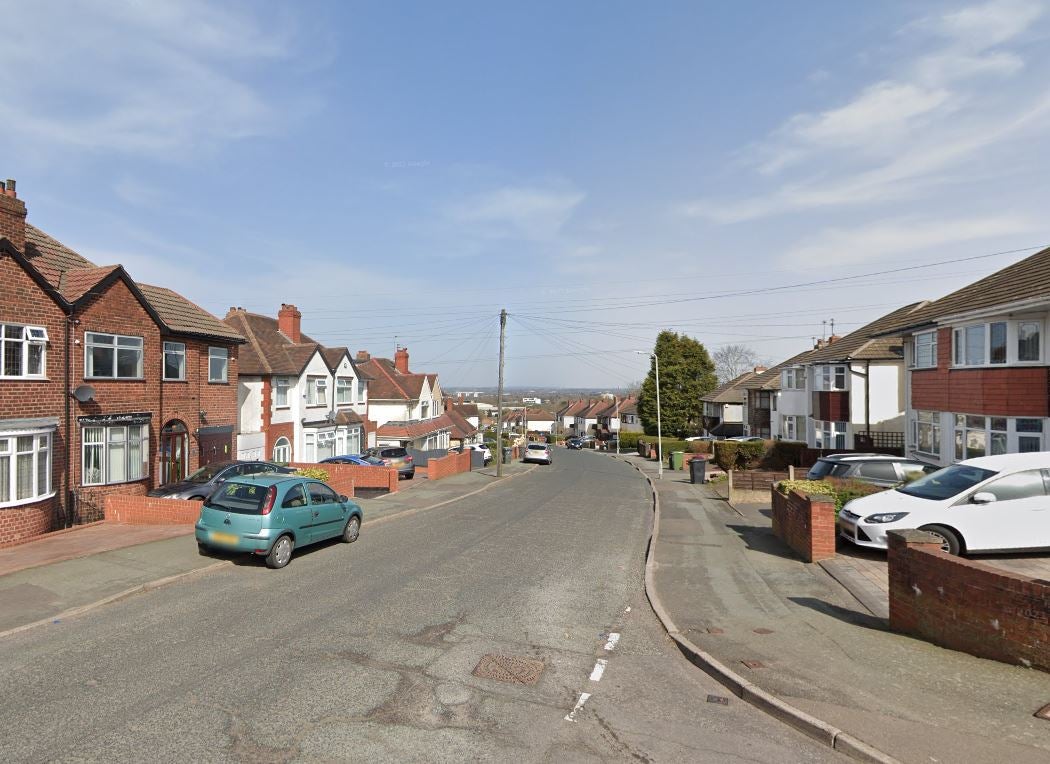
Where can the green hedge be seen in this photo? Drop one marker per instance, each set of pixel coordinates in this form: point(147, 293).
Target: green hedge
point(629, 440)
point(843, 491)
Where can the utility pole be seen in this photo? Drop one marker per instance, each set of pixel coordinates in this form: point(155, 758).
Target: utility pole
point(499, 393)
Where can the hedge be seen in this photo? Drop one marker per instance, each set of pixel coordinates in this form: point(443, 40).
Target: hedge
point(629, 440)
point(843, 491)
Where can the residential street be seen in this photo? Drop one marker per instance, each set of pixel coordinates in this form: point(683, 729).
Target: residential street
point(367, 651)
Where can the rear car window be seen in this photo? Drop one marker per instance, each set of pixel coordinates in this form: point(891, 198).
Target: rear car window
point(878, 471)
point(537, 447)
point(820, 469)
point(243, 498)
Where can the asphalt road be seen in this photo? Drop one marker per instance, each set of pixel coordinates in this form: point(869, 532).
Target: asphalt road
point(367, 652)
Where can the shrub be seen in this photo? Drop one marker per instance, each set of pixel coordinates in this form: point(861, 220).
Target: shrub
point(699, 446)
point(313, 472)
point(726, 452)
point(784, 453)
point(748, 453)
point(629, 440)
point(842, 491)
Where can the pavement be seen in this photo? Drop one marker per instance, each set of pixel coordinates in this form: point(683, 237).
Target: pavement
point(787, 636)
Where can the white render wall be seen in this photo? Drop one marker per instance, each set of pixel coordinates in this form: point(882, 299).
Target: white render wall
point(886, 399)
point(733, 413)
point(249, 404)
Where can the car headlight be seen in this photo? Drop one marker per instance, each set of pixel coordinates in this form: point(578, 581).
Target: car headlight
point(886, 517)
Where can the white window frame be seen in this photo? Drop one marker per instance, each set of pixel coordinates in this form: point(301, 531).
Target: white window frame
point(281, 386)
point(823, 432)
point(111, 440)
point(794, 378)
point(221, 356)
point(344, 391)
point(826, 377)
point(1002, 435)
point(176, 350)
point(316, 391)
point(930, 420)
point(40, 452)
point(928, 342)
point(118, 343)
point(793, 427)
point(29, 339)
point(963, 359)
point(282, 450)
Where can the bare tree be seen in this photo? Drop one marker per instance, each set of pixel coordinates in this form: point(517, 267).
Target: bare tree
point(733, 360)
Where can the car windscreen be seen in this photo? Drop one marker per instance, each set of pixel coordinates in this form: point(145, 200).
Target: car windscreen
point(820, 469)
point(943, 484)
point(206, 473)
point(243, 498)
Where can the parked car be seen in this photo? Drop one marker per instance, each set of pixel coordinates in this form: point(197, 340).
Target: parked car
point(201, 483)
point(271, 515)
point(480, 448)
point(537, 452)
point(877, 469)
point(397, 457)
point(745, 438)
point(705, 437)
point(992, 503)
point(579, 442)
point(363, 461)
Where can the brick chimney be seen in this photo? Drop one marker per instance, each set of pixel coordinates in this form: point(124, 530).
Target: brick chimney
point(288, 321)
point(759, 369)
point(12, 216)
point(401, 360)
point(363, 355)
point(833, 338)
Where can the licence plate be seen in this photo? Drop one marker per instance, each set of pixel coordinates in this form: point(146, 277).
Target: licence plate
point(224, 538)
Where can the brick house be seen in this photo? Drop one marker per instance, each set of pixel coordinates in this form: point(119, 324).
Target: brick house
point(407, 408)
point(298, 400)
point(107, 385)
point(978, 370)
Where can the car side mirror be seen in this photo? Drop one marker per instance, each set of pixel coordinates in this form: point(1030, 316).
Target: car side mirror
point(344, 499)
point(982, 497)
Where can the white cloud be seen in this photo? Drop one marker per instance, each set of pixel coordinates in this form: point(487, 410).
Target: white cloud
point(156, 78)
point(940, 116)
point(532, 212)
point(886, 239)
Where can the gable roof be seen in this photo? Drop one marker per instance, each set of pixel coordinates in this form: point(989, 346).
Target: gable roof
point(268, 351)
point(730, 392)
point(75, 277)
point(770, 378)
point(461, 428)
point(1027, 279)
point(390, 384)
point(863, 345)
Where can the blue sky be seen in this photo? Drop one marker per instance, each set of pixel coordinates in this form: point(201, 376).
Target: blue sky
point(401, 171)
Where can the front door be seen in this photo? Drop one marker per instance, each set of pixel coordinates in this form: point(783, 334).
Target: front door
point(174, 441)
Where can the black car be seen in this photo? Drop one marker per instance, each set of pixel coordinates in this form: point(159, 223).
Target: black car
point(201, 483)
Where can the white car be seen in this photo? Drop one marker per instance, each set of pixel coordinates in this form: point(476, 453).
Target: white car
point(537, 452)
point(992, 503)
point(480, 448)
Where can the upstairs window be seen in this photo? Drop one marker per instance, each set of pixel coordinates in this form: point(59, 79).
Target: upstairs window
point(1029, 344)
point(316, 391)
point(281, 385)
point(925, 350)
point(22, 350)
point(218, 364)
point(997, 343)
point(344, 390)
point(830, 377)
point(174, 361)
point(794, 378)
point(112, 356)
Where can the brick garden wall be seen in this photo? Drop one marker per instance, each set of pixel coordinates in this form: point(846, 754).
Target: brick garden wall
point(805, 523)
point(966, 605)
point(344, 478)
point(145, 510)
point(446, 466)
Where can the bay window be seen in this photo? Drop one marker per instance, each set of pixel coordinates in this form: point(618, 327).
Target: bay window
point(996, 343)
point(792, 427)
point(114, 454)
point(794, 378)
point(23, 350)
point(830, 377)
point(25, 467)
point(926, 435)
point(830, 434)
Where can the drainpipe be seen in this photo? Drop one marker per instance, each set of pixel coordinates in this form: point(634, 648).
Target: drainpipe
point(68, 507)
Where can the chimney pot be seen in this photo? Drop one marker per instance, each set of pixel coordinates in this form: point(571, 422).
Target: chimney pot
point(363, 355)
point(832, 338)
point(11, 187)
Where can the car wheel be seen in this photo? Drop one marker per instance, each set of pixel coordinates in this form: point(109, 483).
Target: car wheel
point(410, 475)
point(202, 549)
point(352, 529)
point(281, 552)
point(950, 541)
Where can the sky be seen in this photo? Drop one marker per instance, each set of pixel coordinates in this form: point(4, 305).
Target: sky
point(743, 172)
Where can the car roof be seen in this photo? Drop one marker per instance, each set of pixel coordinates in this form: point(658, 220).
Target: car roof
point(268, 478)
point(999, 462)
point(867, 458)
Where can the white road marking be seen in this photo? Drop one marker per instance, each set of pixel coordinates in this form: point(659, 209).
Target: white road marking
point(571, 716)
point(613, 639)
point(599, 669)
point(628, 610)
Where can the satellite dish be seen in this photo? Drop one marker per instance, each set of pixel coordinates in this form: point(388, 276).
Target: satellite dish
point(84, 393)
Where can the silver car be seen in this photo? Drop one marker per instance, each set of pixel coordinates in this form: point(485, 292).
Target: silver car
point(202, 483)
point(537, 452)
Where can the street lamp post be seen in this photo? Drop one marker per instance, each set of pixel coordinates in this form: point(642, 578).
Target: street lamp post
point(659, 430)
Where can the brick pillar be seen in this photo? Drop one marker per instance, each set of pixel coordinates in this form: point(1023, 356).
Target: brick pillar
point(904, 593)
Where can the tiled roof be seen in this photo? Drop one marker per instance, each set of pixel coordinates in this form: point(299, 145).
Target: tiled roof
point(770, 378)
point(390, 384)
point(268, 351)
point(183, 316)
point(413, 430)
point(629, 406)
point(461, 428)
point(731, 391)
point(1024, 280)
point(465, 409)
point(74, 275)
point(862, 345)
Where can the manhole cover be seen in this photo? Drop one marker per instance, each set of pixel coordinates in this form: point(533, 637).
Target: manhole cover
point(720, 699)
point(509, 668)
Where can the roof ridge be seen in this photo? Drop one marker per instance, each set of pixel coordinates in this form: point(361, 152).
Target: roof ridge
point(255, 343)
point(382, 367)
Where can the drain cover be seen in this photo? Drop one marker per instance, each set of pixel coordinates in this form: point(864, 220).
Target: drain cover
point(509, 668)
point(720, 699)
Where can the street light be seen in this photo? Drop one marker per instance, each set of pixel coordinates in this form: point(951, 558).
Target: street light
point(659, 432)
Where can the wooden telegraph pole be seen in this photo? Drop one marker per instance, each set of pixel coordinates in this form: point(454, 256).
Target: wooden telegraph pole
point(499, 393)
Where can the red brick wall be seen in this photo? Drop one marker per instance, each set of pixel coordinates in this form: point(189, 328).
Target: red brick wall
point(144, 510)
point(344, 478)
point(806, 524)
point(831, 406)
point(23, 522)
point(1012, 391)
point(446, 466)
point(966, 605)
point(25, 303)
point(13, 221)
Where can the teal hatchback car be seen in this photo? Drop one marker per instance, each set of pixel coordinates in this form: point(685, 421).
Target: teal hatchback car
point(270, 515)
